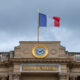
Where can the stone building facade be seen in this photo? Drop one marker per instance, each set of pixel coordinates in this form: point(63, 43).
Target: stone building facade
point(43, 60)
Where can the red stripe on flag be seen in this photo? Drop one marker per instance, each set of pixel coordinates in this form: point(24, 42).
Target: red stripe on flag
point(56, 21)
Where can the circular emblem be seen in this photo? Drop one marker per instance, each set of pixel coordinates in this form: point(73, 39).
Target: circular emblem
point(53, 51)
point(40, 51)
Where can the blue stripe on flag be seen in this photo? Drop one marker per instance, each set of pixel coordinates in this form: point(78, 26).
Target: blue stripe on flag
point(42, 20)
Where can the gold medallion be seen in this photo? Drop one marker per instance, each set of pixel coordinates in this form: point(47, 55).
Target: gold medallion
point(40, 51)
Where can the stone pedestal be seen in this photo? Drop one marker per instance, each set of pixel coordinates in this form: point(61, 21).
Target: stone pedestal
point(62, 77)
point(16, 76)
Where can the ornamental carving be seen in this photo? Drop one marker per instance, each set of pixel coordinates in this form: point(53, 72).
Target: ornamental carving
point(53, 52)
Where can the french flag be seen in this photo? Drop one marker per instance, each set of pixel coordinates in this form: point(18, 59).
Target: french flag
point(45, 21)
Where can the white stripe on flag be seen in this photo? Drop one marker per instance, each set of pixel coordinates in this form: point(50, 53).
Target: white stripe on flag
point(50, 21)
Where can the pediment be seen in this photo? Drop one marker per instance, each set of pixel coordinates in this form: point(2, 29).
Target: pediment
point(24, 50)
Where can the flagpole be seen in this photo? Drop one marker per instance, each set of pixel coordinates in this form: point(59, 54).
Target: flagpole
point(38, 27)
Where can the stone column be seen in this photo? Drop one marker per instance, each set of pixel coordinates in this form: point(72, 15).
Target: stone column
point(63, 77)
point(71, 78)
point(76, 78)
point(10, 77)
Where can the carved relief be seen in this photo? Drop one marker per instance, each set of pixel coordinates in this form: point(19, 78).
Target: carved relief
point(26, 51)
point(53, 52)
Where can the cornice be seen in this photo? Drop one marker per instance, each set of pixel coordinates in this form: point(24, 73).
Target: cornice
point(39, 42)
point(4, 63)
point(56, 60)
point(74, 64)
point(69, 61)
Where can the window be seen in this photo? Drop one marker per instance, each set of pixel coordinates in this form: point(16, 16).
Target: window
point(78, 57)
point(0, 57)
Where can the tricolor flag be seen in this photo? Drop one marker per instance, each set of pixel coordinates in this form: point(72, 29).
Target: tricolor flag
point(45, 21)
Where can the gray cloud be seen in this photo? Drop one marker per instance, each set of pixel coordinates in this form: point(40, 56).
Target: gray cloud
point(18, 21)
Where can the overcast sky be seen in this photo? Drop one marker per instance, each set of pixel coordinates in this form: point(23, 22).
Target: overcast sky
point(18, 22)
